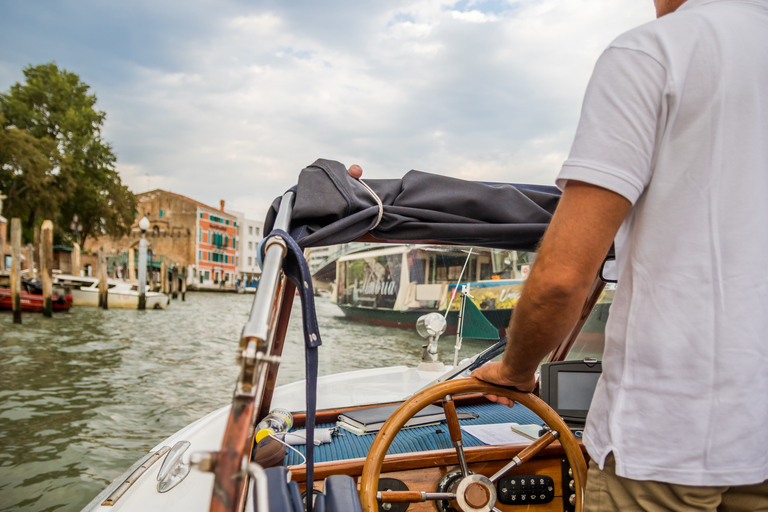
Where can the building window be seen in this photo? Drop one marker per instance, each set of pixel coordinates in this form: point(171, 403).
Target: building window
point(250, 261)
point(257, 231)
point(200, 255)
point(250, 230)
point(250, 246)
point(161, 213)
point(233, 244)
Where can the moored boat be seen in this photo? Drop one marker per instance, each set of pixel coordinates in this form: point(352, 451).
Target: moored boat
point(121, 294)
point(31, 298)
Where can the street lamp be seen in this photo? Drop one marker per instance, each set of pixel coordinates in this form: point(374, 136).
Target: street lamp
point(76, 229)
point(143, 225)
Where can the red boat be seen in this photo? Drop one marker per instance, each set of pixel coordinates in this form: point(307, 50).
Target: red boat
point(32, 299)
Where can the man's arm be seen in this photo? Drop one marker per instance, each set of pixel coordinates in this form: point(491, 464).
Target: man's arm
point(578, 238)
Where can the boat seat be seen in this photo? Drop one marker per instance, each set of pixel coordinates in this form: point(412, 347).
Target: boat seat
point(340, 494)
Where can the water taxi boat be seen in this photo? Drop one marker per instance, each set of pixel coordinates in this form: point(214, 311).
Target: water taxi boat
point(395, 285)
point(121, 294)
point(219, 464)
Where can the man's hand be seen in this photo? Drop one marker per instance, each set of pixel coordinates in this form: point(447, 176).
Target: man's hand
point(355, 171)
point(495, 373)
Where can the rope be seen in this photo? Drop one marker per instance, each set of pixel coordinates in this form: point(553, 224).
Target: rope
point(378, 202)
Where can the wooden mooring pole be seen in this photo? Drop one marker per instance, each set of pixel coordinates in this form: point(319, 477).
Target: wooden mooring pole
point(175, 282)
point(75, 259)
point(30, 255)
point(184, 283)
point(164, 277)
point(103, 287)
point(38, 253)
point(46, 266)
point(16, 269)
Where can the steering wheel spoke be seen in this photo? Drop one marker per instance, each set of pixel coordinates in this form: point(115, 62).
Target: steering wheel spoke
point(412, 496)
point(528, 453)
point(452, 419)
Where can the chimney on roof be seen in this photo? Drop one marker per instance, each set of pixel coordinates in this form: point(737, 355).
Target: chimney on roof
point(222, 205)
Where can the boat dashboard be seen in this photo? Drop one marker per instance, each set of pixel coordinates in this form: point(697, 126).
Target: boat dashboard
point(422, 459)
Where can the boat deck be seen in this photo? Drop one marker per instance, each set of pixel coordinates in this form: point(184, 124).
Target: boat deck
point(417, 439)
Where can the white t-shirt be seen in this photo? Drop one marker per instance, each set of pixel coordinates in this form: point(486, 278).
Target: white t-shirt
point(675, 119)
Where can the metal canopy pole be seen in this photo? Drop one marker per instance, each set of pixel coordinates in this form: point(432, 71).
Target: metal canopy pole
point(256, 353)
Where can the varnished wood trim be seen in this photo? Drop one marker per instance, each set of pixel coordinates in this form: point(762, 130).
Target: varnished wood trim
point(420, 460)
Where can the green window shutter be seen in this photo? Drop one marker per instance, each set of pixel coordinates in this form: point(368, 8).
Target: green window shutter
point(161, 213)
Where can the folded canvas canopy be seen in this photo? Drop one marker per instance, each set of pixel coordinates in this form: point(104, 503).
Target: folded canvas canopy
point(333, 208)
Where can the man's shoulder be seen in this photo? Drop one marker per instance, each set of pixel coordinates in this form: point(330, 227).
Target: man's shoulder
point(694, 20)
point(660, 37)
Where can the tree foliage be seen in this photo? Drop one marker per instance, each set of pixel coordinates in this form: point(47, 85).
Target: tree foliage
point(53, 160)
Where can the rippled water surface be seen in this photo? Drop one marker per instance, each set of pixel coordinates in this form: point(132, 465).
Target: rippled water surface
point(83, 395)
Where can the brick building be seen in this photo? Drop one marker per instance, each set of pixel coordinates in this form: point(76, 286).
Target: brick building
point(183, 232)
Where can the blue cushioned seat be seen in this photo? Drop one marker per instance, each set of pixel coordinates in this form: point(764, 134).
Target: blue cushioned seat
point(341, 494)
point(284, 496)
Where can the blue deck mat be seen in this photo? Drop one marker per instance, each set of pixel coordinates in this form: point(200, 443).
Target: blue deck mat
point(434, 437)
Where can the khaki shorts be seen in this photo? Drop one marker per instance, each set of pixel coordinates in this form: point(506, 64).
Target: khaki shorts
point(608, 492)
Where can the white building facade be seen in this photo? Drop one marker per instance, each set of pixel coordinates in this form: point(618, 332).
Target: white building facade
point(250, 233)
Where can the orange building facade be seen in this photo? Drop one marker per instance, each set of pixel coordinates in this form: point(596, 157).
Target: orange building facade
point(216, 261)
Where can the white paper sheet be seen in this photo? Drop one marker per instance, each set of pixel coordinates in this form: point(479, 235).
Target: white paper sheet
point(495, 433)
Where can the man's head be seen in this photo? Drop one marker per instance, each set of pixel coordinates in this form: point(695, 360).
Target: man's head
point(667, 6)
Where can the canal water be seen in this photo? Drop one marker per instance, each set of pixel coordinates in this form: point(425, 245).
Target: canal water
point(83, 395)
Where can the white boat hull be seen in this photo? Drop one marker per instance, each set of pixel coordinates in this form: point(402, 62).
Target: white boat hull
point(361, 387)
point(119, 299)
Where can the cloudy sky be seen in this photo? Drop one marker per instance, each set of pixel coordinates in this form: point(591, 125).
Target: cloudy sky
point(227, 99)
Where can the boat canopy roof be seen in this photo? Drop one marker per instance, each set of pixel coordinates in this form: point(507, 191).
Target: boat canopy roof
point(333, 208)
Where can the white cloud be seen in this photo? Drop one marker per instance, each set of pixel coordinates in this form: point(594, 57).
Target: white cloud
point(235, 104)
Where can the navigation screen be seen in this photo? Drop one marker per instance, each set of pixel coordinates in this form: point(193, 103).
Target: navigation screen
point(575, 390)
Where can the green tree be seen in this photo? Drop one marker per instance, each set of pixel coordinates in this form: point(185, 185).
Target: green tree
point(28, 175)
point(54, 106)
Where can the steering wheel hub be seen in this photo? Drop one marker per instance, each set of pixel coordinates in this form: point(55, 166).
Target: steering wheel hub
point(476, 493)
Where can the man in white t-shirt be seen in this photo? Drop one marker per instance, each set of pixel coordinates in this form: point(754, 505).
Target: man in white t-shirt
point(670, 162)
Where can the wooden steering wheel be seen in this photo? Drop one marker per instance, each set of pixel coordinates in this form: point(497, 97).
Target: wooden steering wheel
point(474, 493)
